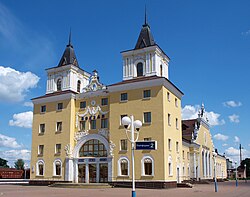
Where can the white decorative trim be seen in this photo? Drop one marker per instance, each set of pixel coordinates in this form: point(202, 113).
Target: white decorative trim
point(87, 138)
point(54, 167)
point(37, 167)
point(111, 148)
point(145, 157)
point(69, 150)
point(104, 132)
point(119, 172)
point(79, 135)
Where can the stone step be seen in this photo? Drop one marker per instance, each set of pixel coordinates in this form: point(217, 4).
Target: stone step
point(82, 185)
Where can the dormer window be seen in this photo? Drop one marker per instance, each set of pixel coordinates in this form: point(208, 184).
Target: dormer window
point(78, 86)
point(139, 68)
point(59, 85)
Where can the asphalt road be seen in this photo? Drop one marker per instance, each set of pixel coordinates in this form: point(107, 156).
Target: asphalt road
point(227, 189)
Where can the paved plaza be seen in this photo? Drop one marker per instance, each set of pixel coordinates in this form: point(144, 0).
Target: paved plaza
point(227, 189)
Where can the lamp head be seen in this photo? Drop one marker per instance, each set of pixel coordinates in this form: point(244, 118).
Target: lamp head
point(126, 121)
point(137, 125)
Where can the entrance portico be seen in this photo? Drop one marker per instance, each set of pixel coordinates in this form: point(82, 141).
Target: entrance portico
point(91, 161)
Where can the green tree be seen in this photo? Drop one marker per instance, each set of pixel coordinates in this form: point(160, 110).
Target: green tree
point(19, 164)
point(247, 162)
point(3, 163)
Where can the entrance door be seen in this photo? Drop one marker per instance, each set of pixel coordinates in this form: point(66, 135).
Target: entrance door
point(103, 173)
point(92, 173)
point(81, 173)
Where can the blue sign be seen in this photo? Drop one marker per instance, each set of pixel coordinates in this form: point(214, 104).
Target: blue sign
point(146, 145)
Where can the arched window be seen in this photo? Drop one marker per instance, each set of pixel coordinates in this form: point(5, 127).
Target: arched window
point(123, 167)
point(147, 166)
point(59, 85)
point(57, 167)
point(78, 86)
point(40, 168)
point(93, 148)
point(139, 68)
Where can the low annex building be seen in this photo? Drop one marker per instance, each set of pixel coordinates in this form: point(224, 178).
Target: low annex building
point(77, 135)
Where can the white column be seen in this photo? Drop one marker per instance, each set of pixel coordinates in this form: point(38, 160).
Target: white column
point(194, 165)
point(69, 169)
point(153, 62)
point(110, 170)
point(198, 168)
point(97, 172)
point(87, 173)
point(75, 169)
point(124, 68)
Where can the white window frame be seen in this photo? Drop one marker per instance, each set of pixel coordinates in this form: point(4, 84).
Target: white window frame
point(169, 144)
point(38, 149)
point(169, 119)
point(56, 150)
point(119, 166)
point(54, 167)
point(176, 102)
point(143, 167)
point(170, 170)
point(37, 167)
point(57, 126)
point(168, 96)
point(40, 128)
point(177, 123)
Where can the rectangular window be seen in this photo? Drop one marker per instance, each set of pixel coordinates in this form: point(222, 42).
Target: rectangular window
point(59, 106)
point(93, 124)
point(169, 144)
point(58, 126)
point(43, 108)
point(177, 147)
point(177, 123)
point(104, 101)
point(83, 105)
point(170, 169)
point(147, 117)
point(104, 123)
point(168, 96)
point(124, 145)
point(146, 94)
point(124, 168)
point(147, 139)
point(176, 102)
point(124, 115)
point(41, 128)
point(183, 154)
point(169, 119)
point(58, 149)
point(40, 149)
point(188, 155)
point(82, 125)
point(124, 96)
point(148, 168)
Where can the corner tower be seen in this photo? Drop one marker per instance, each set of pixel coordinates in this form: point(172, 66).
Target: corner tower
point(146, 59)
point(67, 75)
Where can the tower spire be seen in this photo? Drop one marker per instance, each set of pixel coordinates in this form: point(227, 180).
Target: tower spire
point(145, 17)
point(69, 44)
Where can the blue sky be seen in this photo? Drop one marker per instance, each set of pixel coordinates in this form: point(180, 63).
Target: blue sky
point(208, 43)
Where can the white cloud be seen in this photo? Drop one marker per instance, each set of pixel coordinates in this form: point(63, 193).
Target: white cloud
point(8, 142)
point(224, 145)
point(234, 118)
point(246, 33)
point(23, 119)
point(232, 104)
point(28, 104)
point(236, 139)
point(191, 112)
point(15, 84)
point(12, 155)
point(220, 136)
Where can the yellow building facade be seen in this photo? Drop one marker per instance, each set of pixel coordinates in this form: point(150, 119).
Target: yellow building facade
point(77, 135)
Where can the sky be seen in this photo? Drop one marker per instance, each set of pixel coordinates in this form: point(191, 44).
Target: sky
point(208, 43)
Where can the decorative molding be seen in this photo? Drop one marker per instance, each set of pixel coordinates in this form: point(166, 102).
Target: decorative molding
point(69, 150)
point(94, 83)
point(104, 132)
point(79, 135)
point(111, 148)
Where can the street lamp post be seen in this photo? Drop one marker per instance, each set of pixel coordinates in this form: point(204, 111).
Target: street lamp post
point(215, 179)
point(128, 122)
point(25, 170)
point(245, 170)
point(236, 180)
